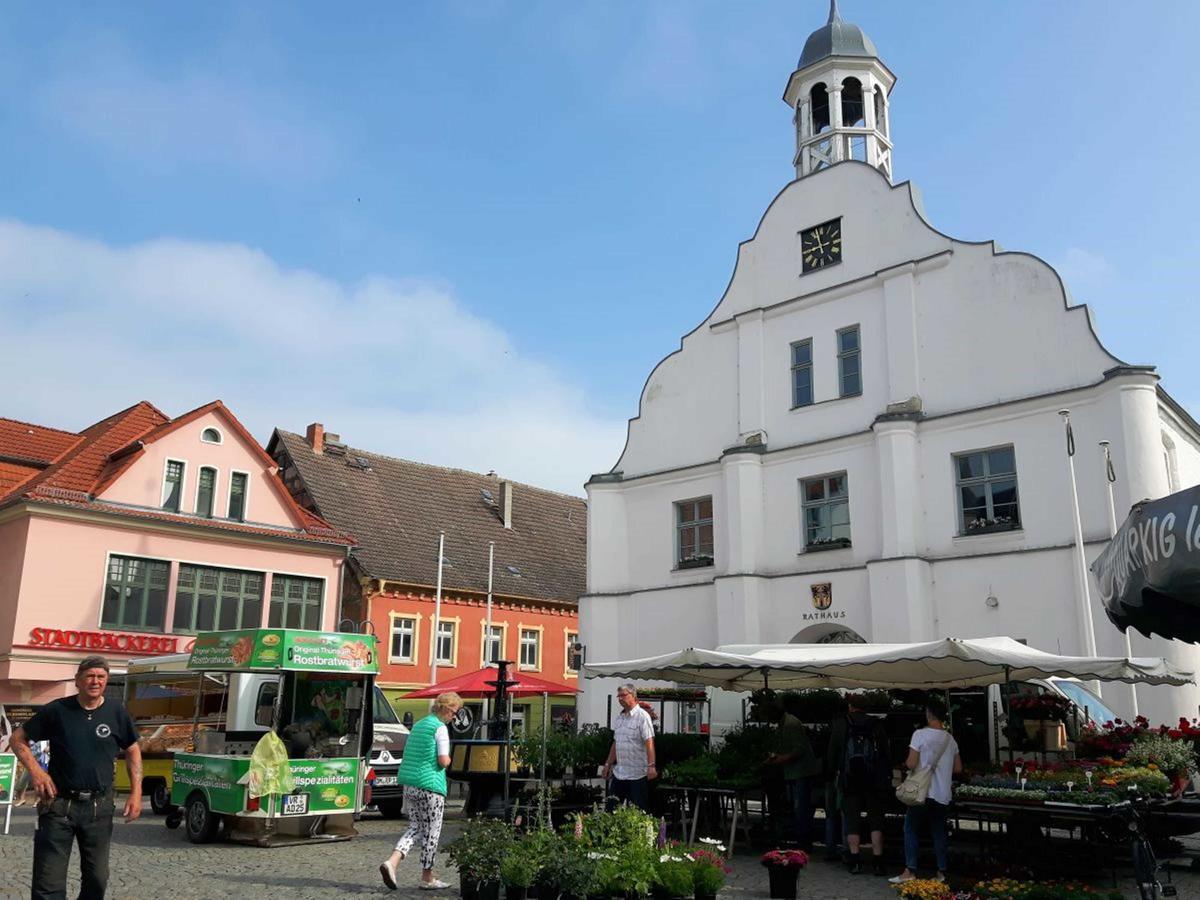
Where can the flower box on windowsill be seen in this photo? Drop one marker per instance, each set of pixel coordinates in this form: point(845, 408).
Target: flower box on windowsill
point(694, 562)
point(991, 528)
point(820, 546)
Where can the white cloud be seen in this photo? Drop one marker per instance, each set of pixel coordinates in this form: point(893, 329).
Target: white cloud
point(394, 367)
point(103, 94)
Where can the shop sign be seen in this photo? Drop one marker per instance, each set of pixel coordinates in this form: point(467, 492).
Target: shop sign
point(18, 713)
point(322, 785)
point(82, 641)
point(8, 776)
point(275, 648)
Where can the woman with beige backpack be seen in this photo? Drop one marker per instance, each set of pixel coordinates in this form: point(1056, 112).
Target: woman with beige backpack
point(933, 761)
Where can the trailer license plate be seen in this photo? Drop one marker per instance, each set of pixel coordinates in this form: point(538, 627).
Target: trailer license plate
point(295, 805)
point(386, 780)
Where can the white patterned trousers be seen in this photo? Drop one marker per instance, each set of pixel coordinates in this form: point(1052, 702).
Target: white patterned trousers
point(425, 810)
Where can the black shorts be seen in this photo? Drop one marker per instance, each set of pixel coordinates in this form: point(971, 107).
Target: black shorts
point(872, 801)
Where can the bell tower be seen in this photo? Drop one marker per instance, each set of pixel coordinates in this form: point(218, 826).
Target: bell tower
point(839, 97)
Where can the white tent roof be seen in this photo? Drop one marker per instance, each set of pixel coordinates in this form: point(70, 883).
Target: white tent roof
point(933, 664)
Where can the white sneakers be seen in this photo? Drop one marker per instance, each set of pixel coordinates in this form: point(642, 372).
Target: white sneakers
point(436, 885)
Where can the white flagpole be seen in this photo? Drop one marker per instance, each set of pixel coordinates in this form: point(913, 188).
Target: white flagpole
point(487, 629)
point(1110, 477)
point(1083, 594)
point(437, 608)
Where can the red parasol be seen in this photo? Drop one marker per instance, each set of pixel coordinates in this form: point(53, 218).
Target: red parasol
point(475, 684)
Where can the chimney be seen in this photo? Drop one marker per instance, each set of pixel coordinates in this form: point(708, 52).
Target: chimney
point(506, 492)
point(315, 435)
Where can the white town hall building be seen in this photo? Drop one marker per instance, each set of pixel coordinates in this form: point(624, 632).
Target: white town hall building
point(839, 451)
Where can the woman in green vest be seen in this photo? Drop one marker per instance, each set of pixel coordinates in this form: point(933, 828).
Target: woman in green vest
point(423, 774)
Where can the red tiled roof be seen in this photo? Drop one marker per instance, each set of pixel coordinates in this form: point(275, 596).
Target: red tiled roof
point(86, 468)
point(36, 443)
point(12, 474)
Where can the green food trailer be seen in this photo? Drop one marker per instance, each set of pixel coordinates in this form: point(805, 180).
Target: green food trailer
point(312, 689)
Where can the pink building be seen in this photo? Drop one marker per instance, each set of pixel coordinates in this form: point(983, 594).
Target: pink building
point(129, 537)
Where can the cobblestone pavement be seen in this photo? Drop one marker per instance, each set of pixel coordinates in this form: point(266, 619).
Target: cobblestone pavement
point(148, 861)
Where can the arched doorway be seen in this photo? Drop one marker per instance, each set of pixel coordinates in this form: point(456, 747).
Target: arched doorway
point(827, 633)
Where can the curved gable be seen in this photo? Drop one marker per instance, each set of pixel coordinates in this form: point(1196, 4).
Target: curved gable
point(976, 325)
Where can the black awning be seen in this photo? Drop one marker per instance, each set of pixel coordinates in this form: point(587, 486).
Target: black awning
point(1150, 572)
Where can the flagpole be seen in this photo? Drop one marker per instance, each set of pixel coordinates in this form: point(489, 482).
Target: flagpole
point(487, 631)
point(437, 608)
point(1083, 594)
point(1110, 478)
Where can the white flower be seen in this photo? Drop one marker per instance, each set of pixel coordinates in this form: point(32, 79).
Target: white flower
point(709, 841)
point(667, 857)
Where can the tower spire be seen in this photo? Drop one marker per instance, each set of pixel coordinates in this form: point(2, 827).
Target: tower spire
point(839, 99)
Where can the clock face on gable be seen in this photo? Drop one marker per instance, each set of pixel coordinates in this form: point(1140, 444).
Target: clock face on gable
point(821, 245)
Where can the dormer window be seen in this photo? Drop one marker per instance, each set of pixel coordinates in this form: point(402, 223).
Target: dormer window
point(210, 436)
point(173, 485)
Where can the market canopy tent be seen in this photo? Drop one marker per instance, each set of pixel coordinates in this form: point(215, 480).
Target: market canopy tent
point(1150, 572)
point(933, 664)
point(474, 685)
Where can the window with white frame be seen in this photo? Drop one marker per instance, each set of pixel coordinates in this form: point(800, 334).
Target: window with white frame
point(986, 484)
point(445, 642)
point(206, 487)
point(237, 496)
point(849, 362)
point(826, 511)
point(493, 645)
point(404, 632)
point(172, 485)
point(572, 657)
point(694, 533)
point(531, 640)
point(802, 383)
point(210, 436)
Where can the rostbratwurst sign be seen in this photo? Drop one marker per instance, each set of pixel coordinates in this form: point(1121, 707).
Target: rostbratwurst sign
point(1150, 572)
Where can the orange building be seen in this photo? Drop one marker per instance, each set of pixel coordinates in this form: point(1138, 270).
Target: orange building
point(396, 510)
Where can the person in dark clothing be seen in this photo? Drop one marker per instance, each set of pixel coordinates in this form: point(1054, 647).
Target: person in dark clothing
point(858, 754)
point(798, 765)
point(75, 797)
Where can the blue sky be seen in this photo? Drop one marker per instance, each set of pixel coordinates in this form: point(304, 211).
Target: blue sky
point(464, 232)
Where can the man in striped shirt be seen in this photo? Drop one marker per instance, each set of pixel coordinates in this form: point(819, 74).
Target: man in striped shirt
point(631, 759)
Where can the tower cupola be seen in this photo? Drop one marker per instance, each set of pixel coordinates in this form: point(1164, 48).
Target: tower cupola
point(839, 97)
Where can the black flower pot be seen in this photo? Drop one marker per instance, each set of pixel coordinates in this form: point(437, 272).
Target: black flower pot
point(783, 881)
point(700, 896)
point(468, 888)
point(488, 890)
point(512, 892)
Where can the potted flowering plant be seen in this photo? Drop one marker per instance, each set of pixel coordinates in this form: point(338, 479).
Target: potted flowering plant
point(708, 869)
point(674, 879)
point(783, 871)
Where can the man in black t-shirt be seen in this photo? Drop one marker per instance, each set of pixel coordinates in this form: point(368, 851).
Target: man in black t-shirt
point(75, 797)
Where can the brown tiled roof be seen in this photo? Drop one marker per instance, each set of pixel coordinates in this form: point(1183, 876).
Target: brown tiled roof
point(101, 453)
point(395, 509)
